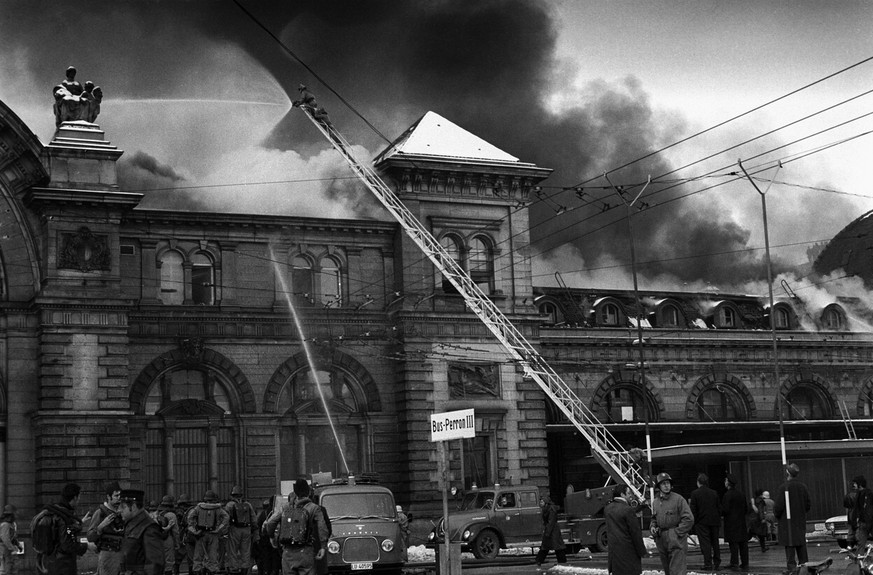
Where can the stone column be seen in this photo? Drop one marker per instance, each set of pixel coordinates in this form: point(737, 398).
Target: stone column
point(213, 455)
point(169, 447)
point(228, 275)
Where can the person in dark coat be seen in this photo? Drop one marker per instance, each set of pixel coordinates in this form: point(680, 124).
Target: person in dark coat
point(551, 533)
point(707, 520)
point(143, 546)
point(863, 512)
point(68, 527)
point(626, 548)
point(792, 532)
point(735, 509)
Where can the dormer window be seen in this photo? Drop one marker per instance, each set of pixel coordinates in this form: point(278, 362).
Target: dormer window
point(727, 317)
point(833, 318)
point(609, 314)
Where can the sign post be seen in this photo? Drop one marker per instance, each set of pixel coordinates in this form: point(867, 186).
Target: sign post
point(444, 427)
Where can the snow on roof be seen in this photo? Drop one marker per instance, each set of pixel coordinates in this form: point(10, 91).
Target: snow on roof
point(433, 135)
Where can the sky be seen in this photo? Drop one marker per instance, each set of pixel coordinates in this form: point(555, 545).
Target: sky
point(198, 97)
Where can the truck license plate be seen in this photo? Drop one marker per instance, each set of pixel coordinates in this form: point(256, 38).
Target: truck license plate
point(361, 566)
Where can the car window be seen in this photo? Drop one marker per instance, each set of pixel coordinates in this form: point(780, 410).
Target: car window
point(506, 500)
point(529, 499)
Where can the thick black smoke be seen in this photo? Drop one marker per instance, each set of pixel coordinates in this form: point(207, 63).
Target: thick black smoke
point(488, 66)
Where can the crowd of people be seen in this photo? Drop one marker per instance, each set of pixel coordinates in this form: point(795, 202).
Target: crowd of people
point(135, 537)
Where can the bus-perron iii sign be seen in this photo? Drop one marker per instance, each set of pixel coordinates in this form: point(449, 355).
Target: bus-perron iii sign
point(452, 425)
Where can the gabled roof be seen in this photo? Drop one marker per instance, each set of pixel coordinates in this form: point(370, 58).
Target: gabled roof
point(435, 137)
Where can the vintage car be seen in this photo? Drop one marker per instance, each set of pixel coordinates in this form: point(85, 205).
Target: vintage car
point(838, 528)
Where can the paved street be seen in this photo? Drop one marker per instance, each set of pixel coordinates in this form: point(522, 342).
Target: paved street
point(771, 562)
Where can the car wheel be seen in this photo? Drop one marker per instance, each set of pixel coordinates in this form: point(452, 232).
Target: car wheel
point(486, 545)
point(600, 542)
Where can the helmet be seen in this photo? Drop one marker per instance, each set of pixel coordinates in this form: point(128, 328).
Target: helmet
point(210, 496)
point(184, 499)
point(663, 477)
point(237, 490)
point(266, 504)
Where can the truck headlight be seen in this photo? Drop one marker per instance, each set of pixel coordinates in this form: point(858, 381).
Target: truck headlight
point(333, 547)
point(431, 536)
point(466, 535)
point(387, 545)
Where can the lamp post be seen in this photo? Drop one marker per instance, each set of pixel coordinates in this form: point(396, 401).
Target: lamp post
point(639, 341)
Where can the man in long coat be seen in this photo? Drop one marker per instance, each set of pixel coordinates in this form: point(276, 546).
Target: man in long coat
point(551, 533)
point(735, 508)
point(625, 536)
point(792, 532)
point(143, 546)
point(707, 519)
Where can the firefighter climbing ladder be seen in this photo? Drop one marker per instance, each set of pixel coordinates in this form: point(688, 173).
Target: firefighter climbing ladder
point(617, 462)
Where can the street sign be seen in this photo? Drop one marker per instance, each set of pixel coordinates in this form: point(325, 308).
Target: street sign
point(452, 425)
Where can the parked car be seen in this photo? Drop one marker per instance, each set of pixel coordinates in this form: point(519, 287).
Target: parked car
point(838, 528)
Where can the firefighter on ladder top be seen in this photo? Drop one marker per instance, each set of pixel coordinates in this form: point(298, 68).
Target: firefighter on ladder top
point(307, 100)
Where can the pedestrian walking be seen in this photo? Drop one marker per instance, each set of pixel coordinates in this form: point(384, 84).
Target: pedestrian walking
point(706, 509)
point(624, 534)
point(106, 530)
point(207, 523)
point(769, 515)
point(672, 520)
point(863, 511)
point(850, 502)
point(168, 521)
point(58, 529)
point(242, 524)
point(10, 547)
point(552, 538)
point(792, 517)
point(143, 545)
point(735, 509)
point(268, 557)
point(302, 530)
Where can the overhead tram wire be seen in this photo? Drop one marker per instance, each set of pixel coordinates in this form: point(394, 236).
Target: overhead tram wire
point(310, 70)
point(737, 117)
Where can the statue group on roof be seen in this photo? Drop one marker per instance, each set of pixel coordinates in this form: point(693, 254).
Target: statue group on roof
point(74, 102)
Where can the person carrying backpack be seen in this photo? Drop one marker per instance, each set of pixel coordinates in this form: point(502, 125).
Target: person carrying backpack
point(302, 530)
point(185, 552)
point(207, 523)
point(169, 525)
point(242, 524)
point(55, 533)
point(9, 544)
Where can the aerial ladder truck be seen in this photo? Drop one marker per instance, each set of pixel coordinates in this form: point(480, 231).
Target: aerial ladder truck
point(621, 465)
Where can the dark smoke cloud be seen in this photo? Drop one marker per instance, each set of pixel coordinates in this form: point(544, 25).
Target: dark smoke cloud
point(487, 65)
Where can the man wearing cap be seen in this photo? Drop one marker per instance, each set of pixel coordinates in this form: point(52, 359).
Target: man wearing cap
point(143, 546)
point(792, 517)
point(671, 521)
point(106, 530)
point(185, 551)
point(299, 558)
point(207, 522)
point(9, 544)
point(169, 524)
point(306, 98)
point(735, 508)
point(242, 524)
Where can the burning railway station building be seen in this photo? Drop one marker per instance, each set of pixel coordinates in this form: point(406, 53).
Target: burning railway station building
point(157, 347)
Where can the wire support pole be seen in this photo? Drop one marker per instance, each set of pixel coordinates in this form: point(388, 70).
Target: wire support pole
point(776, 383)
point(604, 446)
point(640, 341)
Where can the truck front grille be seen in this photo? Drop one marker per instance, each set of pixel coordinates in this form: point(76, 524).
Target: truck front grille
point(358, 549)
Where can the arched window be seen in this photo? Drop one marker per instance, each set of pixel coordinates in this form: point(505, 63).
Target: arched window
point(310, 442)
point(172, 278)
point(330, 282)
point(187, 437)
point(806, 402)
point(609, 314)
point(720, 403)
point(833, 318)
point(301, 278)
point(202, 279)
point(481, 264)
point(453, 248)
point(624, 403)
point(550, 309)
point(782, 318)
point(669, 316)
point(727, 317)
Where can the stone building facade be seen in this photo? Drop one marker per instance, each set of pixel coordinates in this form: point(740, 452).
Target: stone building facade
point(179, 353)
